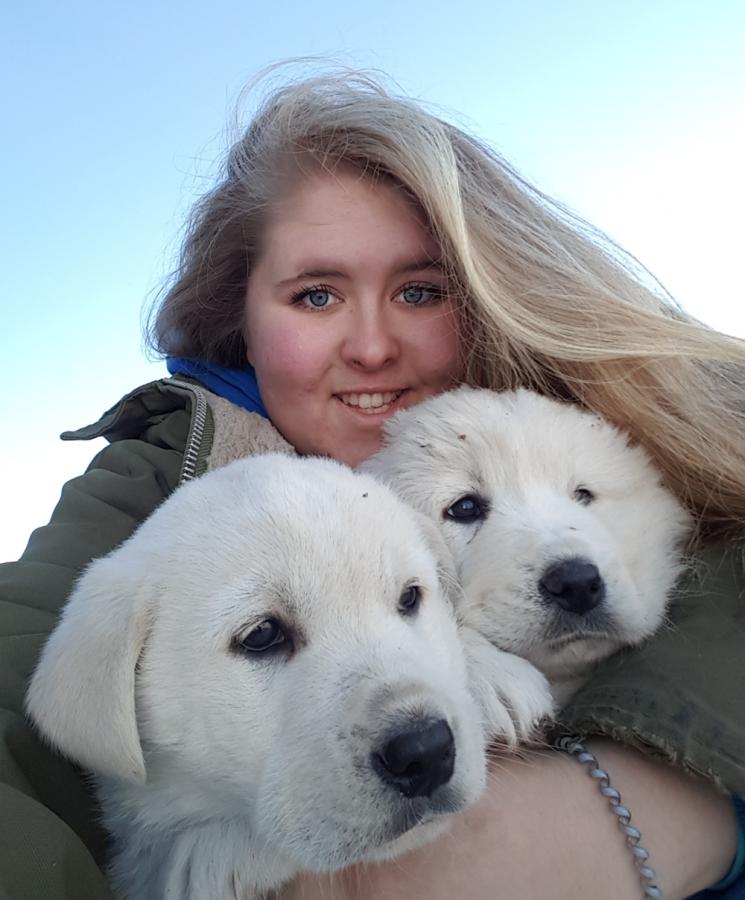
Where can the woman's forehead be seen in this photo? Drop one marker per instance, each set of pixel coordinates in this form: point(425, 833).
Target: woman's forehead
point(327, 219)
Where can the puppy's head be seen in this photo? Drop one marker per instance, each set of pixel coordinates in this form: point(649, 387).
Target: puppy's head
point(565, 541)
point(273, 644)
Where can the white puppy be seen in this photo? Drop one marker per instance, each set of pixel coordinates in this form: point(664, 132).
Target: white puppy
point(268, 676)
point(566, 544)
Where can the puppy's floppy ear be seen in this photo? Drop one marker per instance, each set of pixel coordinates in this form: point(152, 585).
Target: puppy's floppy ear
point(82, 695)
point(446, 571)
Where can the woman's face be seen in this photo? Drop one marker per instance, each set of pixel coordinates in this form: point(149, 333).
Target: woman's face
point(346, 315)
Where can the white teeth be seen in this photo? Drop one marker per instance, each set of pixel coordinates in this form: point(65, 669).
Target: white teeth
point(373, 402)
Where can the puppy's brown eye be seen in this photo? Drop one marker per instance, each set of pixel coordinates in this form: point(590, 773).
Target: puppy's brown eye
point(468, 509)
point(408, 602)
point(267, 635)
point(584, 496)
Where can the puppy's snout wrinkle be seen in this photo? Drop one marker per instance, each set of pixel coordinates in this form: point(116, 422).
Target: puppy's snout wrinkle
point(419, 760)
point(574, 584)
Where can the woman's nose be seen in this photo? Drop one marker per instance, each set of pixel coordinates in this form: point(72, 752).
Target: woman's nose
point(371, 340)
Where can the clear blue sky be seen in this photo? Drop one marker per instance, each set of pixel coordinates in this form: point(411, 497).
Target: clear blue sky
point(112, 114)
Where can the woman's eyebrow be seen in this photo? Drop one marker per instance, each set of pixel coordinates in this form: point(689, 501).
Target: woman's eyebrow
point(313, 273)
point(421, 264)
point(416, 265)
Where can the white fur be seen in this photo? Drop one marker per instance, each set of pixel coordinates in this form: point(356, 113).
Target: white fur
point(527, 457)
point(222, 770)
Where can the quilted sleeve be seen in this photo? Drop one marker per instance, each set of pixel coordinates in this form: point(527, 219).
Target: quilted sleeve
point(50, 843)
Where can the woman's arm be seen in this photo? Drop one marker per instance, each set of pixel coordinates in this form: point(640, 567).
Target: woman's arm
point(543, 830)
point(682, 694)
point(50, 839)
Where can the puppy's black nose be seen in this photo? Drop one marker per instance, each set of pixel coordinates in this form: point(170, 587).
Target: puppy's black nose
point(417, 761)
point(575, 584)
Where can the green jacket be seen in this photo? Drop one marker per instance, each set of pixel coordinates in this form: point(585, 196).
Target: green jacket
point(682, 695)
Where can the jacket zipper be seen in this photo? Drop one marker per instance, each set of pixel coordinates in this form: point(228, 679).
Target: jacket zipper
point(191, 453)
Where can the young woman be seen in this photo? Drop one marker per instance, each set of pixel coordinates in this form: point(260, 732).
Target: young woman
point(357, 256)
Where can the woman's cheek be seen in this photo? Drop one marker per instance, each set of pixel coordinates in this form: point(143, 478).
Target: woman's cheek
point(440, 345)
point(289, 356)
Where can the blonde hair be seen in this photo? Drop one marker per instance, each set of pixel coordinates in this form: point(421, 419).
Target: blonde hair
point(546, 301)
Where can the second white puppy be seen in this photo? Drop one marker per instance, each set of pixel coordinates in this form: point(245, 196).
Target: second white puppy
point(566, 543)
point(268, 676)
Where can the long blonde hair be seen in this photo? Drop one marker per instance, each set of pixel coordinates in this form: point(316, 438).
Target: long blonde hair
point(546, 301)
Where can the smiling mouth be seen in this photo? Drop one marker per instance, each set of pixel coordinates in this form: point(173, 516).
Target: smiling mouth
point(370, 403)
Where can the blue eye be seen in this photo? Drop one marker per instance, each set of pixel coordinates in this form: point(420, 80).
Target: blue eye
point(420, 295)
point(318, 298)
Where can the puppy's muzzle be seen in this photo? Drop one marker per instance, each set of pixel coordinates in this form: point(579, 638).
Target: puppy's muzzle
point(575, 585)
point(417, 760)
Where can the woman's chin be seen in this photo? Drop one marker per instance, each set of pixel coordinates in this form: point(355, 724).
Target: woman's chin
point(357, 452)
